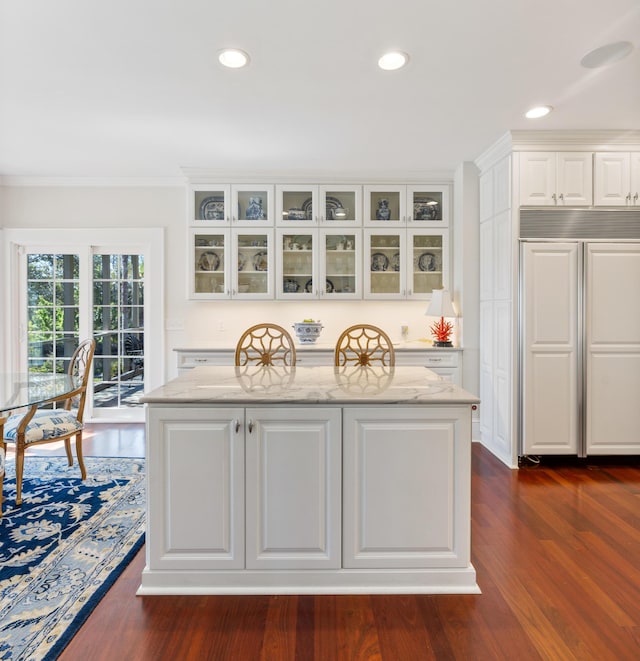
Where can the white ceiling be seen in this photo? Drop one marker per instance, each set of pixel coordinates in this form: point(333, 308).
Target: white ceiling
point(132, 88)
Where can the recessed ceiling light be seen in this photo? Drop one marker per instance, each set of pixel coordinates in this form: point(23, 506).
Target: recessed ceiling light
point(233, 58)
point(537, 112)
point(606, 55)
point(393, 60)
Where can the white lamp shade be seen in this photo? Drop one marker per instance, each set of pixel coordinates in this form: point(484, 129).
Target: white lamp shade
point(440, 304)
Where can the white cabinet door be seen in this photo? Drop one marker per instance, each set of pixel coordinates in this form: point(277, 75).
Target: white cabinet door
point(550, 348)
point(613, 349)
point(293, 488)
point(635, 179)
point(297, 264)
point(340, 262)
point(537, 178)
point(209, 263)
point(405, 487)
point(574, 178)
point(252, 264)
point(612, 178)
point(556, 178)
point(385, 268)
point(427, 262)
point(196, 482)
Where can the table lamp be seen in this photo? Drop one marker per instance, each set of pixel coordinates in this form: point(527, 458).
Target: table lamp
point(441, 306)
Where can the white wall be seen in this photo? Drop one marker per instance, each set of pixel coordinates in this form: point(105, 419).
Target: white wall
point(196, 323)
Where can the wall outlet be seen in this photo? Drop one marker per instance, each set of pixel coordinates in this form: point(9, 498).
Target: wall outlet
point(404, 331)
point(220, 325)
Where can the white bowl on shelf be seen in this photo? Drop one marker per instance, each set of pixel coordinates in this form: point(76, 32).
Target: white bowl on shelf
point(307, 332)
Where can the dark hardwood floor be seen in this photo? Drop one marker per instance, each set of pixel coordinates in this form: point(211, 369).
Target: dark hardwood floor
point(556, 548)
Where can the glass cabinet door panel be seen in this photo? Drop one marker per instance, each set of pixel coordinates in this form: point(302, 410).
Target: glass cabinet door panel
point(341, 262)
point(428, 205)
point(296, 278)
point(384, 264)
point(253, 204)
point(428, 263)
point(209, 271)
point(340, 205)
point(296, 204)
point(253, 276)
point(384, 205)
point(210, 205)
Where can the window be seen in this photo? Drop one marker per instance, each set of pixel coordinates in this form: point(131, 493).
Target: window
point(52, 311)
point(118, 328)
point(70, 284)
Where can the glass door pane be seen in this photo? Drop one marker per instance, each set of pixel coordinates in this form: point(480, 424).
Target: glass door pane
point(384, 263)
point(53, 314)
point(427, 262)
point(118, 328)
point(297, 204)
point(209, 263)
point(254, 274)
point(297, 276)
point(341, 252)
point(211, 206)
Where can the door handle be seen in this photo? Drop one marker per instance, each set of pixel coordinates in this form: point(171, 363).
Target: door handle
point(250, 426)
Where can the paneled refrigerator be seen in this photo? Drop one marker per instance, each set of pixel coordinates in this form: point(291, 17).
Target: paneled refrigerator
point(579, 336)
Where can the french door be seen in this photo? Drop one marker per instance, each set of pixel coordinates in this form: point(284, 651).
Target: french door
point(67, 292)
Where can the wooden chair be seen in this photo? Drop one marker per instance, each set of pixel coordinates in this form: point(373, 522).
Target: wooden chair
point(265, 344)
point(364, 344)
point(40, 426)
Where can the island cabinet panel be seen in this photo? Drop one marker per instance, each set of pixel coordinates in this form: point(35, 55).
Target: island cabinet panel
point(293, 471)
point(196, 461)
point(406, 503)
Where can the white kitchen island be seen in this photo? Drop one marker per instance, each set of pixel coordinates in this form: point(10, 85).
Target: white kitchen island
point(316, 480)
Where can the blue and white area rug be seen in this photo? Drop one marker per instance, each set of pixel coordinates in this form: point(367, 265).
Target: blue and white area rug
point(63, 548)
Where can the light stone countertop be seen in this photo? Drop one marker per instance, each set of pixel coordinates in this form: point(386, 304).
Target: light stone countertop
point(409, 345)
point(325, 385)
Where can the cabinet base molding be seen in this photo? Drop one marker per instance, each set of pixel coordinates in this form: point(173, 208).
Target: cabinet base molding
point(343, 581)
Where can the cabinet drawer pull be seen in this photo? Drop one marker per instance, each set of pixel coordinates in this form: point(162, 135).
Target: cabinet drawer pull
point(250, 426)
point(237, 425)
point(435, 360)
point(200, 360)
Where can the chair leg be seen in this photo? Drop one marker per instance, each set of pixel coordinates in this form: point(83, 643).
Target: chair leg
point(83, 470)
point(19, 470)
point(67, 447)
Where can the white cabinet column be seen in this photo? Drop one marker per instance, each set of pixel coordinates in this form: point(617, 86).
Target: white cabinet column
point(550, 348)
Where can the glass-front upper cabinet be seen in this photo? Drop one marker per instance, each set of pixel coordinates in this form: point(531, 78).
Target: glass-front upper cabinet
point(384, 264)
point(340, 263)
point(304, 204)
point(385, 205)
point(253, 277)
point(209, 276)
point(231, 264)
point(225, 204)
point(406, 205)
point(296, 263)
point(427, 262)
point(428, 206)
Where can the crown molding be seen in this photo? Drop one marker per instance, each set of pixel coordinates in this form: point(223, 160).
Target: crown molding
point(496, 152)
point(583, 140)
point(208, 175)
point(92, 182)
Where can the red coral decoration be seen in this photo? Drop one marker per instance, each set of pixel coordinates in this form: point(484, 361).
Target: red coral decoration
point(442, 330)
